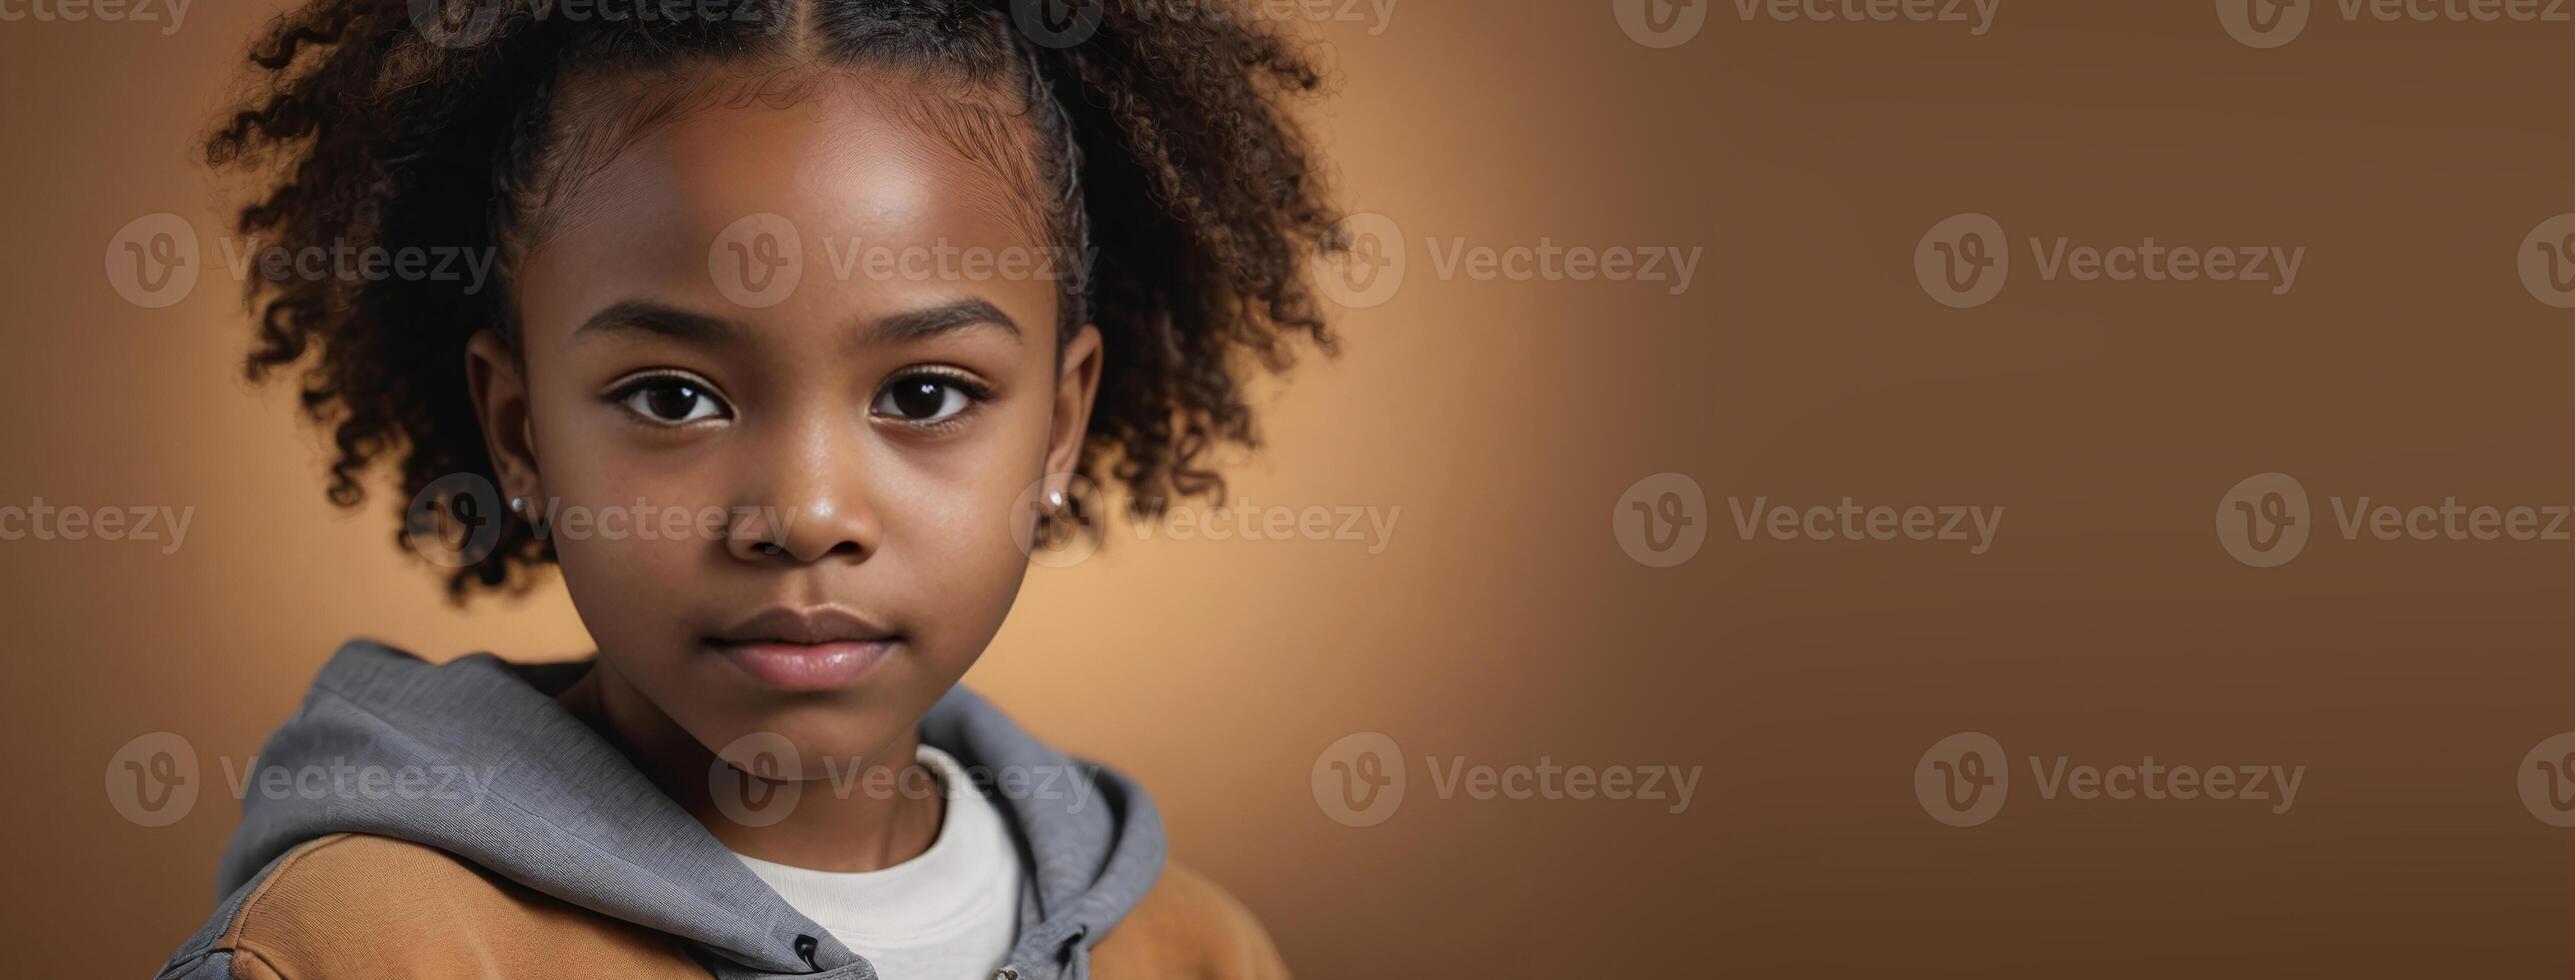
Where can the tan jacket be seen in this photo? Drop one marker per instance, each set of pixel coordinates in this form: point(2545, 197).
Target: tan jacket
point(359, 907)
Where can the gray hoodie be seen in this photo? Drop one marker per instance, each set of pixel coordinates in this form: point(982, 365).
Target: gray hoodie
point(509, 780)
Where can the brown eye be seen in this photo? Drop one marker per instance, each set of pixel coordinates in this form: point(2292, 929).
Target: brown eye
point(923, 398)
point(673, 401)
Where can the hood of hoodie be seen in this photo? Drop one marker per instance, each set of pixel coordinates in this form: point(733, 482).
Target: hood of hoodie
point(476, 758)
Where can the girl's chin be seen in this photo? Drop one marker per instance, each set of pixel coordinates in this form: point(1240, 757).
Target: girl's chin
point(834, 730)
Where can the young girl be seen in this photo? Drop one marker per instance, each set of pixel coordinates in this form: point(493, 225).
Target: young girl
point(843, 284)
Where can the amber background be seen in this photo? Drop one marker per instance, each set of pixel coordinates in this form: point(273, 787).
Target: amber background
point(1505, 623)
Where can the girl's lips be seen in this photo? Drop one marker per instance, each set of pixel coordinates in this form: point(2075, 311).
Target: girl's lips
point(806, 666)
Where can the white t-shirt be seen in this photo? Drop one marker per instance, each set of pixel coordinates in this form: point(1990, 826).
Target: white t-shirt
point(949, 914)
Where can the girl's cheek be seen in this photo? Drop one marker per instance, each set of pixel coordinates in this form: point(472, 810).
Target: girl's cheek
point(960, 542)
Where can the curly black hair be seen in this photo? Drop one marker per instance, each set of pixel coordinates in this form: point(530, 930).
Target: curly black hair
point(395, 124)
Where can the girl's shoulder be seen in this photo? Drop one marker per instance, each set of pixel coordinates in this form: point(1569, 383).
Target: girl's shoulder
point(1188, 926)
point(359, 905)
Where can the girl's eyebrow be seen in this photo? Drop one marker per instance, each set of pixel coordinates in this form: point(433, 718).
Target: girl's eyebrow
point(930, 321)
point(656, 318)
point(895, 328)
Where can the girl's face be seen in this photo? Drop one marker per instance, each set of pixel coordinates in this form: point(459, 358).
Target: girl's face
point(795, 365)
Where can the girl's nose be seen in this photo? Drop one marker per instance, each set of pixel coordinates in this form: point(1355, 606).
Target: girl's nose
point(818, 508)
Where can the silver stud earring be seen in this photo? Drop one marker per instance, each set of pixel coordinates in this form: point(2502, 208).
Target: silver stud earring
point(521, 506)
point(1055, 501)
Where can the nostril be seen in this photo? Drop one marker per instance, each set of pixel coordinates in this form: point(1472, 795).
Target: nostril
point(772, 548)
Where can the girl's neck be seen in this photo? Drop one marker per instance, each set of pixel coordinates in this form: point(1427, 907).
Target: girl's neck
point(865, 814)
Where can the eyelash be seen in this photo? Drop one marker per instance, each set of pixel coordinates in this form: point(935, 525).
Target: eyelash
point(975, 391)
point(624, 393)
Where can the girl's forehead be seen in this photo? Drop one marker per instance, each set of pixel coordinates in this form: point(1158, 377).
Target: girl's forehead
point(848, 152)
point(807, 213)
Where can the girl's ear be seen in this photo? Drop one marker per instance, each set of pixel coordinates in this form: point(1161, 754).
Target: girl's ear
point(1074, 390)
point(499, 383)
